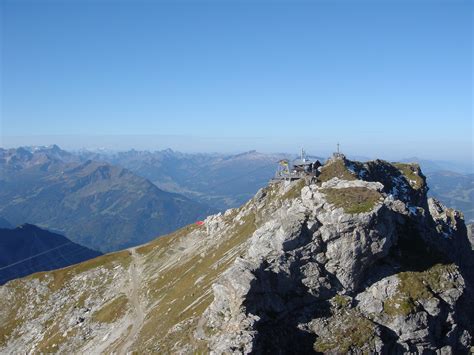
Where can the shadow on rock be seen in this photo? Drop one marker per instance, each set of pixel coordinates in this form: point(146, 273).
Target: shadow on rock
point(282, 302)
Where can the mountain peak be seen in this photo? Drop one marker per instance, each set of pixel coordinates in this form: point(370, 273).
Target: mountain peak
point(28, 226)
point(361, 247)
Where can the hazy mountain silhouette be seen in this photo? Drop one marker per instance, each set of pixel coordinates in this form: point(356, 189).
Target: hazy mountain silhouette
point(453, 189)
point(96, 204)
point(4, 223)
point(220, 180)
point(28, 249)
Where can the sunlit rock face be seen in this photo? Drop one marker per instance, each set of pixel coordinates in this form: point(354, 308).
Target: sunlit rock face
point(365, 251)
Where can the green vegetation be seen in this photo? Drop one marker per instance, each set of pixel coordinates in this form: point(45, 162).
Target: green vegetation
point(56, 280)
point(399, 305)
point(353, 331)
point(275, 197)
point(112, 311)
point(341, 301)
point(271, 192)
point(52, 339)
point(353, 199)
point(181, 292)
point(166, 239)
point(334, 169)
point(294, 191)
point(411, 173)
point(415, 286)
point(61, 276)
point(12, 320)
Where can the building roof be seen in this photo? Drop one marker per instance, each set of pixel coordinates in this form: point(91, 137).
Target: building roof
point(302, 162)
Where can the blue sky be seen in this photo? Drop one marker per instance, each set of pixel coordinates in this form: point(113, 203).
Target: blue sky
point(385, 78)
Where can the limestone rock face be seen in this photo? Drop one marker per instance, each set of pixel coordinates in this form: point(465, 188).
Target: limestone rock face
point(447, 220)
point(470, 234)
point(316, 278)
point(357, 262)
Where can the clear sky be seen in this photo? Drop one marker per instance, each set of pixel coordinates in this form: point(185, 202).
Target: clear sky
point(385, 78)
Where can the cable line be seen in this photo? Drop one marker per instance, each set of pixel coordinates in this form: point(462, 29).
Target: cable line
point(34, 256)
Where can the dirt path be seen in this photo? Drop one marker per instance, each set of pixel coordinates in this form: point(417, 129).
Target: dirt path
point(138, 314)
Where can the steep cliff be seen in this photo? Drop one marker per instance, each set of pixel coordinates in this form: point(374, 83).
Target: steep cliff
point(360, 261)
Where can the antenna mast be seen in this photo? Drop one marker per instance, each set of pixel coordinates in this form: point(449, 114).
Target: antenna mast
point(303, 155)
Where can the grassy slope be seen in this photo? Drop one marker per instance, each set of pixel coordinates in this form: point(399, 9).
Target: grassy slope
point(353, 199)
point(411, 173)
point(175, 276)
point(337, 169)
point(40, 290)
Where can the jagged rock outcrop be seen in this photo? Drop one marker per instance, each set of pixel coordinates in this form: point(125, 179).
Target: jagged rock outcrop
point(359, 262)
point(316, 277)
point(470, 234)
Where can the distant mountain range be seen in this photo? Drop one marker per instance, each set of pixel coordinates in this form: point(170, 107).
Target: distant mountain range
point(220, 180)
point(28, 249)
point(453, 189)
point(430, 166)
point(225, 181)
point(96, 204)
point(112, 200)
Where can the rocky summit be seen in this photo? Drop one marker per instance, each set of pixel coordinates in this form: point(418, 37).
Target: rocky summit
point(358, 261)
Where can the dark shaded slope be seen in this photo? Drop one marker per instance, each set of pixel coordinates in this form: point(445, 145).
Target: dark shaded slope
point(4, 223)
point(28, 249)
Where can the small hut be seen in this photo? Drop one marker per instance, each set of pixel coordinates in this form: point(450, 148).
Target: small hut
point(300, 168)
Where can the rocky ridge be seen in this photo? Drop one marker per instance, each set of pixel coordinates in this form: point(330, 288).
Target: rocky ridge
point(359, 262)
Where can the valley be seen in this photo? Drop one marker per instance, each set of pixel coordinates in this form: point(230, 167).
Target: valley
point(98, 205)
